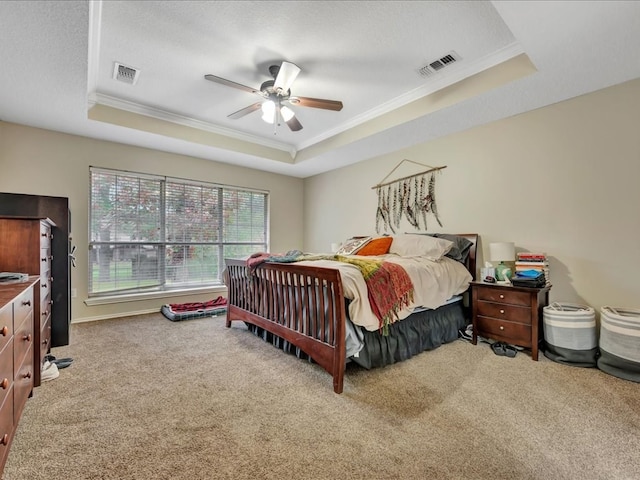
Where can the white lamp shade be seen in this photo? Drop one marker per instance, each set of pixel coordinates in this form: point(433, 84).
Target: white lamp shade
point(268, 111)
point(502, 252)
point(287, 113)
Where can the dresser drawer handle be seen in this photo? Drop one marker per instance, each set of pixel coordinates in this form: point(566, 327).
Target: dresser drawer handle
point(4, 384)
point(45, 341)
point(27, 338)
point(501, 327)
point(5, 439)
point(502, 311)
point(26, 303)
point(45, 313)
point(501, 295)
point(27, 375)
point(43, 259)
point(4, 331)
point(44, 285)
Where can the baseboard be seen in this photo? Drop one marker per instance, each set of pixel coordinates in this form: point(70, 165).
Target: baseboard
point(115, 315)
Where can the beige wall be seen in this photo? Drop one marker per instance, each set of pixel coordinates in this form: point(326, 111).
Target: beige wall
point(564, 179)
point(42, 162)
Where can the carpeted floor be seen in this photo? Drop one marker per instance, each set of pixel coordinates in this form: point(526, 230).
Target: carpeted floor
point(147, 398)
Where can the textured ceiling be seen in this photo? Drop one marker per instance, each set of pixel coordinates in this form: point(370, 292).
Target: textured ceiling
point(58, 60)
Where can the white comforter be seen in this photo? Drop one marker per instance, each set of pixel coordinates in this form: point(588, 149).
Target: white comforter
point(434, 283)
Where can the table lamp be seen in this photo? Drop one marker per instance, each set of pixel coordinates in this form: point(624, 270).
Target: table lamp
point(502, 252)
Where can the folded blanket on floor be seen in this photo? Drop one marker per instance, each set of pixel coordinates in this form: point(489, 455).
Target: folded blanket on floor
point(195, 306)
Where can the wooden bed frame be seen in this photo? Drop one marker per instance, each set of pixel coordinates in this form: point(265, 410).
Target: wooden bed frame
point(302, 304)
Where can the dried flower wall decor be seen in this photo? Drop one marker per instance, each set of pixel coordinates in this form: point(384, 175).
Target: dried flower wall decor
point(412, 197)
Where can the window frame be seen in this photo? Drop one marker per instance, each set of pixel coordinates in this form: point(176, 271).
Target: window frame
point(161, 284)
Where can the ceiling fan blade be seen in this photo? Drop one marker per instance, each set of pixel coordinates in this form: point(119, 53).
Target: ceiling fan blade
point(317, 103)
point(286, 76)
point(229, 83)
point(245, 111)
point(294, 124)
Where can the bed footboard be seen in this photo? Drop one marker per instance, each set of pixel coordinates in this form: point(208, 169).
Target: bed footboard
point(302, 304)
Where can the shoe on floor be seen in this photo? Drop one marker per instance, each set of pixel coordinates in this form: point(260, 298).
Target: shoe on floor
point(49, 371)
point(503, 349)
point(62, 362)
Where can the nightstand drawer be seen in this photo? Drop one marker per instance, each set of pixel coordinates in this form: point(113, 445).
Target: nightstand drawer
point(502, 311)
point(503, 295)
point(517, 333)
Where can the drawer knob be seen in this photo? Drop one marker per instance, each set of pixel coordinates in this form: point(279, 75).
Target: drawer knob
point(502, 311)
point(43, 259)
point(4, 331)
point(27, 375)
point(501, 295)
point(27, 338)
point(45, 341)
point(44, 285)
point(5, 383)
point(26, 303)
point(5, 439)
point(501, 327)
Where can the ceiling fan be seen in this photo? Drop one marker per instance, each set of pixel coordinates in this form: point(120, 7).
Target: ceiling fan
point(276, 93)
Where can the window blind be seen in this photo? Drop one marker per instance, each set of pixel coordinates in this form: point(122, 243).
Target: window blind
point(158, 233)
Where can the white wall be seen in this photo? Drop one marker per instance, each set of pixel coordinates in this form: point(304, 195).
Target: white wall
point(564, 179)
point(42, 162)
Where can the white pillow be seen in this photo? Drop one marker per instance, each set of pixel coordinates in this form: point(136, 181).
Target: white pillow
point(420, 246)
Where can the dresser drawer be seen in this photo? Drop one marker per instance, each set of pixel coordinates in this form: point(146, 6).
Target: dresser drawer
point(45, 260)
point(45, 340)
point(503, 311)
point(511, 332)
point(6, 426)
point(6, 372)
point(23, 307)
point(6, 324)
point(503, 295)
point(45, 309)
point(45, 286)
point(22, 340)
point(22, 385)
point(45, 235)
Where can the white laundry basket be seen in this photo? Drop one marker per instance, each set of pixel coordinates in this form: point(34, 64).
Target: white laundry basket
point(570, 334)
point(620, 342)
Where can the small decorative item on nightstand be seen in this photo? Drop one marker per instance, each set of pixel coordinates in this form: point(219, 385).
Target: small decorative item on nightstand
point(502, 252)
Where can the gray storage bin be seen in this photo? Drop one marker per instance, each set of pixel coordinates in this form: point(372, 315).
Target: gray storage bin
point(570, 334)
point(620, 342)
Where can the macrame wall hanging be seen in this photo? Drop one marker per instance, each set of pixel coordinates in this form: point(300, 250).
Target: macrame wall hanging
point(413, 197)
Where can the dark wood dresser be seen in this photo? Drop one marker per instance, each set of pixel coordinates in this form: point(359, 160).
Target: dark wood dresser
point(17, 302)
point(25, 247)
point(19, 205)
point(508, 314)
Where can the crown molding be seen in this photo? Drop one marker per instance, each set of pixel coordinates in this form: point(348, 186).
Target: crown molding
point(133, 107)
point(437, 82)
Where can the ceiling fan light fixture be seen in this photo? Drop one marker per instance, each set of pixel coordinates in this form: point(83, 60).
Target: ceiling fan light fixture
point(268, 111)
point(287, 73)
point(287, 113)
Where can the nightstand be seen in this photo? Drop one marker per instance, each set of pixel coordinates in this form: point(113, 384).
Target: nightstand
point(508, 314)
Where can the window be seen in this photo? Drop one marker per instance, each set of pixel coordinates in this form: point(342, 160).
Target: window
point(156, 233)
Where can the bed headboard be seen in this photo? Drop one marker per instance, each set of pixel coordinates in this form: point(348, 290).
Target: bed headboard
point(471, 259)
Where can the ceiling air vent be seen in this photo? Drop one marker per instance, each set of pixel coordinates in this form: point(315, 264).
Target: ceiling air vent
point(439, 64)
point(125, 74)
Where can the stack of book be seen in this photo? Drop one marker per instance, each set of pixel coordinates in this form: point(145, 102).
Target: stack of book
point(531, 261)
